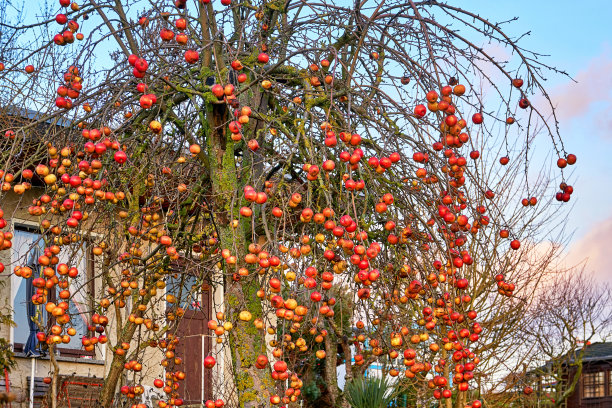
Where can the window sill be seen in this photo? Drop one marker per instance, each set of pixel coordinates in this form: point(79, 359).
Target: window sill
point(82, 360)
point(599, 400)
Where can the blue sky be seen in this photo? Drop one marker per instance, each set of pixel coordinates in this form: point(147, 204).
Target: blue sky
point(571, 32)
point(577, 36)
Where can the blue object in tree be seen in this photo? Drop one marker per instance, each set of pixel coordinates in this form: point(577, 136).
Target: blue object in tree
point(31, 346)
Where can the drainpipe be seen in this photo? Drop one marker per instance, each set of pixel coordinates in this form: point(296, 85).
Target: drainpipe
point(32, 373)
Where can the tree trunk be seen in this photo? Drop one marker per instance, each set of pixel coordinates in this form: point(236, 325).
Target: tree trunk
point(110, 382)
point(116, 368)
point(448, 403)
point(329, 374)
point(250, 384)
point(54, 378)
point(348, 359)
point(461, 399)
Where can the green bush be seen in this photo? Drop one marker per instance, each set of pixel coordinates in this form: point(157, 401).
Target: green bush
point(369, 393)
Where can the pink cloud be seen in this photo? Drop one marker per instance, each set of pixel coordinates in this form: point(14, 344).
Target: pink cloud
point(500, 55)
point(594, 251)
point(593, 86)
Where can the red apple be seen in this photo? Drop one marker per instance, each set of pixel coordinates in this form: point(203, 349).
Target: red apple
point(191, 56)
point(280, 366)
point(263, 58)
point(218, 91)
point(209, 362)
point(420, 110)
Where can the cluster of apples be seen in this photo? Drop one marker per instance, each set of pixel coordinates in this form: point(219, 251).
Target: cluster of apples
point(141, 65)
point(70, 90)
point(70, 27)
point(173, 376)
point(454, 137)
point(73, 176)
point(565, 194)
point(9, 183)
point(447, 217)
point(82, 188)
point(53, 276)
point(503, 287)
point(252, 196)
point(5, 237)
point(132, 391)
point(218, 403)
point(221, 329)
point(182, 4)
point(292, 392)
point(191, 56)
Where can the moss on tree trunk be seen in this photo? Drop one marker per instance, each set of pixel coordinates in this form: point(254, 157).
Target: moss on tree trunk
point(251, 385)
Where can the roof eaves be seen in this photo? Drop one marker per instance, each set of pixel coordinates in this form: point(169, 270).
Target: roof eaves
point(35, 115)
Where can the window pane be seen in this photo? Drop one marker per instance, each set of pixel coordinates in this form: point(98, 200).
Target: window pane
point(79, 304)
point(594, 384)
point(22, 250)
point(20, 314)
point(190, 292)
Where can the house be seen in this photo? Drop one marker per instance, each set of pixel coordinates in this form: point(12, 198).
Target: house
point(82, 372)
point(594, 388)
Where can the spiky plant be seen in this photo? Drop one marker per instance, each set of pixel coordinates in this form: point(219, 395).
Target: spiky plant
point(369, 392)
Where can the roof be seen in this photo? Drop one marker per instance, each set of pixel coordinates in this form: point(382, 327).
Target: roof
point(34, 115)
point(598, 351)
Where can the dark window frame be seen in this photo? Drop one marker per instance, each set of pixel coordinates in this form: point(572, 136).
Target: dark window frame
point(605, 384)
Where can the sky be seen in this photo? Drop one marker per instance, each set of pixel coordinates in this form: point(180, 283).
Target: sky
point(578, 39)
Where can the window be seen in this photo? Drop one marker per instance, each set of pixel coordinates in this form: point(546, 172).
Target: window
point(594, 384)
point(81, 289)
point(186, 286)
point(27, 246)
